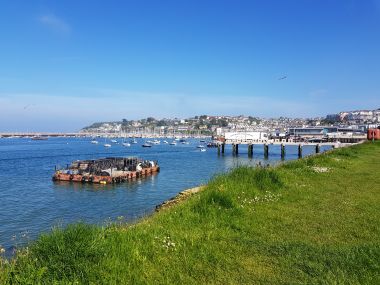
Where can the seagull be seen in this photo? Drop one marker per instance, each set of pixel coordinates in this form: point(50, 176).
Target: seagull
point(27, 106)
point(282, 78)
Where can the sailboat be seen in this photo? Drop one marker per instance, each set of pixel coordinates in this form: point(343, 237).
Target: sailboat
point(106, 144)
point(124, 143)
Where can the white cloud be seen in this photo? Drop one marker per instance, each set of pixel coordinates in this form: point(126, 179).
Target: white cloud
point(54, 23)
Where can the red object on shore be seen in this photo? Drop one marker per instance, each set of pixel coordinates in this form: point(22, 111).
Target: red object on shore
point(373, 134)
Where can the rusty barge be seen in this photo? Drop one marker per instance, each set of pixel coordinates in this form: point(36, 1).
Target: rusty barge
point(106, 170)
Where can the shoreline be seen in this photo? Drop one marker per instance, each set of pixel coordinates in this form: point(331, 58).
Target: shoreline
point(181, 196)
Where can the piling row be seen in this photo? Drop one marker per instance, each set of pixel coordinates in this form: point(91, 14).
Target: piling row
point(235, 149)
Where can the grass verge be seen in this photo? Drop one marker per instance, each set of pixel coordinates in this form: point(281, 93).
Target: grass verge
point(310, 221)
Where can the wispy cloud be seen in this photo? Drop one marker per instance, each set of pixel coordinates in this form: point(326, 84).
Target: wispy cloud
point(55, 23)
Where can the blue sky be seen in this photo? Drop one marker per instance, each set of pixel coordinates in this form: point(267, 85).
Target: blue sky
point(66, 64)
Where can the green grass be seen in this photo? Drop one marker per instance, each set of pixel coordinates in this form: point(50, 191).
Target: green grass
point(283, 225)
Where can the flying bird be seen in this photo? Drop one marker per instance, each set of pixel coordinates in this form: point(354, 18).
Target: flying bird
point(27, 106)
point(282, 78)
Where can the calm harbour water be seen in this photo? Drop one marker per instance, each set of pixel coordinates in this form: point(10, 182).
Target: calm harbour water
point(31, 203)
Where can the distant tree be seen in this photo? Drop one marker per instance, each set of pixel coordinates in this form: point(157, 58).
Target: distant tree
point(162, 123)
point(223, 123)
point(253, 119)
point(150, 119)
point(203, 117)
point(328, 122)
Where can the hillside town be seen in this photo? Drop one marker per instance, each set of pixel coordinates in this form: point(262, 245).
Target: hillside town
point(351, 121)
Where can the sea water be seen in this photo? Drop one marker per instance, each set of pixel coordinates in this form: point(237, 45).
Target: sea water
point(31, 203)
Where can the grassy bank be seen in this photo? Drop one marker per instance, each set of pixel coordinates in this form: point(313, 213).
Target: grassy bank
point(311, 221)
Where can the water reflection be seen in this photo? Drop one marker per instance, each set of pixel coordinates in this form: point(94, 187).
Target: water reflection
point(132, 184)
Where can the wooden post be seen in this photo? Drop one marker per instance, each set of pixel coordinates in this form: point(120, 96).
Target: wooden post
point(282, 151)
point(266, 150)
point(223, 148)
point(250, 150)
point(317, 148)
point(299, 150)
point(233, 149)
point(218, 149)
point(237, 149)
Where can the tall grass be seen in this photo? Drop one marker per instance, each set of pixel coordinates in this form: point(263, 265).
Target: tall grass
point(73, 253)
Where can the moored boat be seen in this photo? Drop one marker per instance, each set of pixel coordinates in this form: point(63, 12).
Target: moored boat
point(39, 138)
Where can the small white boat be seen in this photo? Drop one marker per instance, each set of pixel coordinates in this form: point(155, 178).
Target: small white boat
point(113, 141)
point(202, 149)
point(200, 146)
point(94, 142)
point(165, 142)
point(107, 145)
point(146, 145)
point(156, 142)
point(133, 141)
point(173, 143)
point(126, 144)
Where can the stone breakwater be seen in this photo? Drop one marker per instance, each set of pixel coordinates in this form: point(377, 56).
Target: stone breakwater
point(181, 196)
